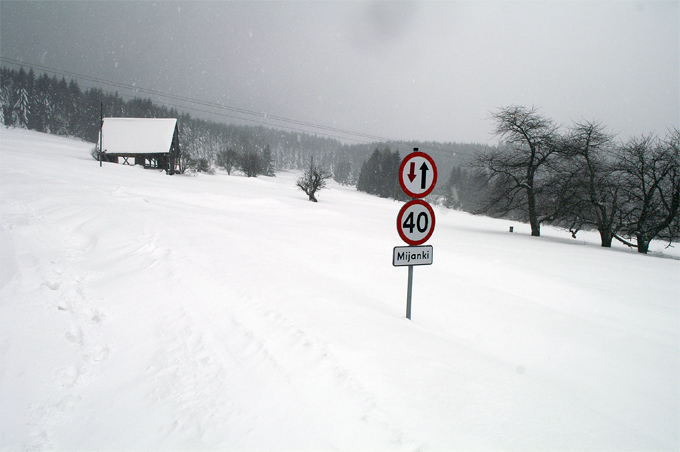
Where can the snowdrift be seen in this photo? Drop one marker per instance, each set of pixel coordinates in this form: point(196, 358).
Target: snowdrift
point(141, 311)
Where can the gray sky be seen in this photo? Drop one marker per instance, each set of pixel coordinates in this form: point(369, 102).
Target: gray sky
point(400, 70)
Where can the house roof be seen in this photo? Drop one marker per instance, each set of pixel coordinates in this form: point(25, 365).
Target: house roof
point(138, 135)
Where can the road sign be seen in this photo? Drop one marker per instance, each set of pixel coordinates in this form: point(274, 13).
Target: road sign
point(417, 174)
point(415, 222)
point(412, 255)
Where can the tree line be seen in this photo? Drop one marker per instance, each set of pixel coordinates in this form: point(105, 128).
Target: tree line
point(579, 177)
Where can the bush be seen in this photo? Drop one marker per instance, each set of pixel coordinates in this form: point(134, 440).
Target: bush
point(201, 165)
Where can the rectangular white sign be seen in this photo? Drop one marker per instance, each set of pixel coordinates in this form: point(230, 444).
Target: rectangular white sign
point(412, 255)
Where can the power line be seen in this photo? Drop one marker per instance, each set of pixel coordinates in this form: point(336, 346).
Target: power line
point(129, 96)
point(262, 116)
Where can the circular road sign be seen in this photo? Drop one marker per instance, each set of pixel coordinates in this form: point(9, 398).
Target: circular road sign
point(415, 222)
point(417, 174)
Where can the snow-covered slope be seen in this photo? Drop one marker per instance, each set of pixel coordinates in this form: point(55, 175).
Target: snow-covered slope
point(141, 311)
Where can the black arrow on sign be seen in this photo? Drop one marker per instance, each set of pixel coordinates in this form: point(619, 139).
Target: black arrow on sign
point(423, 171)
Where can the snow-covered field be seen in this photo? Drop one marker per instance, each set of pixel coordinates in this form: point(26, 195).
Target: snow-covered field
point(141, 311)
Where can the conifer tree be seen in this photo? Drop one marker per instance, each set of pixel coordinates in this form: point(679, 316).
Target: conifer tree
point(379, 174)
point(22, 108)
point(268, 162)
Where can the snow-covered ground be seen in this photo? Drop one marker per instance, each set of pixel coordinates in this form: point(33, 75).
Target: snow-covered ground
point(141, 311)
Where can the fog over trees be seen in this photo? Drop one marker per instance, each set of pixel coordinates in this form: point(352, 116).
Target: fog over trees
point(53, 105)
point(577, 177)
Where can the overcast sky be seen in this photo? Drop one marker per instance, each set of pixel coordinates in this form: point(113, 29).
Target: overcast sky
point(400, 70)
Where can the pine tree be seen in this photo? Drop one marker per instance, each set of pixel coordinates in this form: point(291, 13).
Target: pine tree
point(5, 96)
point(379, 174)
point(22, 108)
point(268, 162)
point(43, 110)
point(342, 172)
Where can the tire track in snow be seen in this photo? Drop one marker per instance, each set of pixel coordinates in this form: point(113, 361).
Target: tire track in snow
point(189, 384)
point(264, 349)
point(205, 367)
point(309, 365)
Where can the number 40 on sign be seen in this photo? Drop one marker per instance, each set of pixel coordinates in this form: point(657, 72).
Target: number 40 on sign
point(415, 222)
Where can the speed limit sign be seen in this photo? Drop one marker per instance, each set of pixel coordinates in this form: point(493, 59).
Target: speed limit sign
point(415, 222)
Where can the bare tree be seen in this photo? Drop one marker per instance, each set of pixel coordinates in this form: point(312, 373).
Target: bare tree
point(650, 188)
point(313, 180)
point(251, 164)
point(227, 159)
point(514, 169)
point(588, 156)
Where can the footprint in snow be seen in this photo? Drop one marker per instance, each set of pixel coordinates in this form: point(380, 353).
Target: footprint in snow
point(68, 376)
point(100, 355)
point(52, 285)
point(75, 335)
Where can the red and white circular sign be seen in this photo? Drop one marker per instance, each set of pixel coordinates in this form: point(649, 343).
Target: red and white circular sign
point(415, 222)
point(417, 174)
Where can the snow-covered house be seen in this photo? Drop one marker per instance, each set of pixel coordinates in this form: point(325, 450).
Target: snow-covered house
point(152, 142)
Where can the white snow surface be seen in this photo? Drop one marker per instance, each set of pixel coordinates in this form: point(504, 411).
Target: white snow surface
point(141, 311)
point(138, 135)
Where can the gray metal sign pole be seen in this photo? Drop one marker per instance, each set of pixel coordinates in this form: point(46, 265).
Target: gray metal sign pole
point(408, 292)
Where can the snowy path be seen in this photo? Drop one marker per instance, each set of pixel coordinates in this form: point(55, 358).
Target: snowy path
point(145, 312)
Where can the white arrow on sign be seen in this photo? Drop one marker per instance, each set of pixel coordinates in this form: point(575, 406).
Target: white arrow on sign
point(415, 222)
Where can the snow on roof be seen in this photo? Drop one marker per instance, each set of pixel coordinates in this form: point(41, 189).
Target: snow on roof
point(137, 135)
